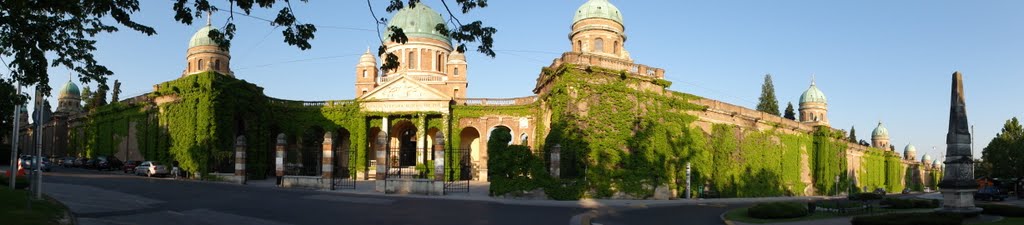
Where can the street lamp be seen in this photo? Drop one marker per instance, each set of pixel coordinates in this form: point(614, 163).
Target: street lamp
point(837, 185)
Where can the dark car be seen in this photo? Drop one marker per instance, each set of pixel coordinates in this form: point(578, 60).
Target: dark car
point(80, 162)
point(129, 166)
point(89, 164)
point(108, 163)
point(67, 162)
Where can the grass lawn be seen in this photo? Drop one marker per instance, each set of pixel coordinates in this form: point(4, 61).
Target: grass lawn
point(1008, 221)
point(14, 208)
point(740, 215)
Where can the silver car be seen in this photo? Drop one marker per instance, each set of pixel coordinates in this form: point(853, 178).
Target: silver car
point(152, 168)
point(27, 162)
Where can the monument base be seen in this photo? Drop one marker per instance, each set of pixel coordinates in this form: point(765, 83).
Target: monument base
point(959, 201)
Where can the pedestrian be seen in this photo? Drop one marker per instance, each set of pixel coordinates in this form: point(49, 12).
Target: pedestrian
point(175, 172)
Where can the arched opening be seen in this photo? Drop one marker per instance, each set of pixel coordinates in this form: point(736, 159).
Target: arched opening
point(524, 140)
point(216, 64)
point(579, 46)
point(431, 134)
point(412, 60)
point(615, 48)
point(491, 132)
point(189, 67)
point(599, 45)
point(199, 65)
point(343, 153)
point(364, 73)
point(456, 73)
point(404, 137)
point(440, 63)
point(311, 151)
point(371, 154)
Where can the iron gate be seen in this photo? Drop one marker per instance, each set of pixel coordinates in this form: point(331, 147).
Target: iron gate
point(344, 173)
point(458, 171)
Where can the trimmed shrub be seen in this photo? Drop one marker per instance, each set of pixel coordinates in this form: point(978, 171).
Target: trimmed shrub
point(899, 203)
point(909, 219)
point(866, 196)
point(778, 210)
point(1002, 210)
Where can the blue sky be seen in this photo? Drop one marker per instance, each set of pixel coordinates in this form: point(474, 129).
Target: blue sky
point(875, 60)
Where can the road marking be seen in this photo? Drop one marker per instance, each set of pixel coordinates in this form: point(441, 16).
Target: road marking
point(359, 200)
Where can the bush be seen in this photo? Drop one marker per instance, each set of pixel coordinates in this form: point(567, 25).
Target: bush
point(20, 182)
point(1002, 210)
point(909, 219)
point(778, 210)
point(899, 203)
point(866, 196)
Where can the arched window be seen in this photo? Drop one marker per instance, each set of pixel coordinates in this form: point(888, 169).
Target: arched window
point(438, 64)
point(615, 48)
point(216, 64)
point(364, 73)
point(579, 46)
point(456, 73)
point(599, 45)
point(412, 60)
point(199, 66)
point(189, 67)
point(523, 139)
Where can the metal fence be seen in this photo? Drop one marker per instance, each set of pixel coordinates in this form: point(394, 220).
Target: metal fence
point(401, 164)
point(458, 171)
point(344, 174)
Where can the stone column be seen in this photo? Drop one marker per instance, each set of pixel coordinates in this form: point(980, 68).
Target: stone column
point(327, 162)
point(282, 143)
point(439, 157)
point(240, 159)
point(556, 161)
point(382, 140)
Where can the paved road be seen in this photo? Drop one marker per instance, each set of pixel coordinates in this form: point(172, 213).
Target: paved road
point(110, 198)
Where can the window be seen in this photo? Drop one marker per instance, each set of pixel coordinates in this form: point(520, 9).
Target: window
point(364, 73)
point(615, 47)
point(456, 73)
point(599, 45)
point(579, 45)
point(189, 67)
point(200, 65)
point(412, 60)
point(216, 64)
point(440, 62)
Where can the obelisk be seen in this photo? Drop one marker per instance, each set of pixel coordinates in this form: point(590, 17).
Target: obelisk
point(957, 185)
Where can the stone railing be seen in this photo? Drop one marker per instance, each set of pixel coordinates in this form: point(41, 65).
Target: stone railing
point(293, 103)
point(496, 101)
point(730, 110)
point(421, 78)
point(143, 98)
point(609, 63)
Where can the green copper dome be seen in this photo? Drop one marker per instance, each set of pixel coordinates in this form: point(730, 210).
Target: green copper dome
point(69, 90)
point(813, 94)
point(598, 9)
point(202, 38)
point(880, 131)
point(420, 22)
point(926, 159)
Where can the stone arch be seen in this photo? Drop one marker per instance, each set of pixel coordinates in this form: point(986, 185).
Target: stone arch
point(524, 139)
point(404, 142)
point(342, 152)
point(469, 140)
point(371, 137)
point(431, 134)
point(490, 132)
point(311, 151)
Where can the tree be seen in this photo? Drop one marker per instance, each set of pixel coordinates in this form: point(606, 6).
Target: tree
point(1005, 153)
point(790, 114)
point(117, 91)
point(853, 134)
point(87, 99)
point(35, 35)
point(99, 98)
point(767, 103)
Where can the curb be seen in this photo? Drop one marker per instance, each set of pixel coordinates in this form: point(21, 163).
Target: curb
point(727, 222)
point(583, 218)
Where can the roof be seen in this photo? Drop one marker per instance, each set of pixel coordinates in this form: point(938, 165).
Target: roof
point(420, 21)
point(598, 9)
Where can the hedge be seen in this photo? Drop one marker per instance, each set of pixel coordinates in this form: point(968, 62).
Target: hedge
point(900, 203)
point(1002, 210)
point(909, 219)
point(778, 210)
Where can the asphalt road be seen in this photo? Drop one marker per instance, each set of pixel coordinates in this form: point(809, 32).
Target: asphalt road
point(111, 198)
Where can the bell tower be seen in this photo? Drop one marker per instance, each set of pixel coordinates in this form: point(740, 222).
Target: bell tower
point(366, 74)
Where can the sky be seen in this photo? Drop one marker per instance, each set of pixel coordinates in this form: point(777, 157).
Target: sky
point(875, 60)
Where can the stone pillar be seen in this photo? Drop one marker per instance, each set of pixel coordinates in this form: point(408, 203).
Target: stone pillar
point(327, 163)
point(556, 161)
point(240, 159)
point(439, 157)
point(382, 140)
point(282, 143)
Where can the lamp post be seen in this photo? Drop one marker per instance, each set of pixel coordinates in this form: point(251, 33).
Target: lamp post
point(687, 180)
point(837, 185)
point(12, 170)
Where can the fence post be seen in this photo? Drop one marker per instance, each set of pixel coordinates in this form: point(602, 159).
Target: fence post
point(240, 158)
point(327, 162)
point(382, 139)
point(556, 161)
point(282, 142)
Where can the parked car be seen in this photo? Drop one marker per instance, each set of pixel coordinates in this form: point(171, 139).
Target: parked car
point(28, 161)
point(130, 165)
point(152, 168)
point(67, 162)
point(80, 162)
point(108, 163)
point(880, 191)
point(89, 164)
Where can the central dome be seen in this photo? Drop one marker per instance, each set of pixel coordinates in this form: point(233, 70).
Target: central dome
point(813, 94)
point(880, 131)
point(598, 9)
point(420, 22)
point(70, 90)
point(202, 37)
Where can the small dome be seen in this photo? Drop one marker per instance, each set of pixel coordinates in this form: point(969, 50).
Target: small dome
point(598, 9)
point(909, 150)
point(202, 37)
point(926, 159)
point(936, 163)
point(367, 58)
point(420, 21)
point(813, 94)
point(880, 131)
point(69, 90)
